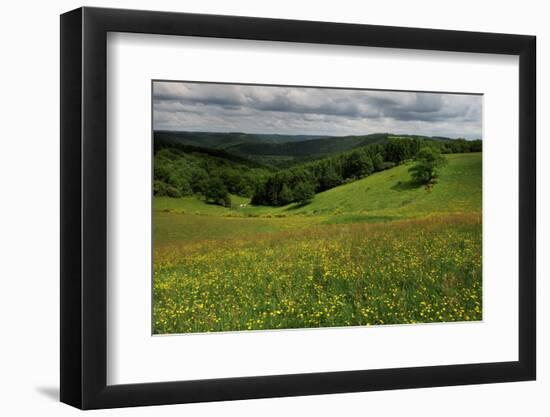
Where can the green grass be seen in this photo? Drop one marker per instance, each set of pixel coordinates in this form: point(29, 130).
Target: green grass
point(407, 271)
point(194, 205)
point(382, 196)
point(391, 194)
point(376, 251)
point(169, 227)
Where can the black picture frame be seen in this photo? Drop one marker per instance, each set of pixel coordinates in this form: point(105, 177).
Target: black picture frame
point(84, 207)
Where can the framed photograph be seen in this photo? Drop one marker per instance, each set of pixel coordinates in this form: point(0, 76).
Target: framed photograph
point(257, 208)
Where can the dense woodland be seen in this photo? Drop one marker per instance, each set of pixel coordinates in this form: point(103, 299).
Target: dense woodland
point(214, 174)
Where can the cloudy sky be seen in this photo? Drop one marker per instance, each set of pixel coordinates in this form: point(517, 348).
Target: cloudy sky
point(315, 111)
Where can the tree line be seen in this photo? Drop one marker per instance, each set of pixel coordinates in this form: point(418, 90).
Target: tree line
point(181, 170)
point(299, 184)
point(185, 170)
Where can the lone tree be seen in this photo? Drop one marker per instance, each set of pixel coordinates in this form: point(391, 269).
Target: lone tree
point(428, 162)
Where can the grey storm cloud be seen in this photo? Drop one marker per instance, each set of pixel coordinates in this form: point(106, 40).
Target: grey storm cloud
point(319, 111)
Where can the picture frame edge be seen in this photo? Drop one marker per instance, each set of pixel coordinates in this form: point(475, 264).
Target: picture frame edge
point(83, 181)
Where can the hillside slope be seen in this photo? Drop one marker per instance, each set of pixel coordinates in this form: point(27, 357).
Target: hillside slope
point(308, 148)
point(279, 150)
point(216, 140)
point(391, 193)
point(385, 195)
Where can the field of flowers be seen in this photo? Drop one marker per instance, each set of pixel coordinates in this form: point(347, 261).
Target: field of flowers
point(407, 271)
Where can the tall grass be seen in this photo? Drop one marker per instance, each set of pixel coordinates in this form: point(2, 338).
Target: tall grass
point(408, 271)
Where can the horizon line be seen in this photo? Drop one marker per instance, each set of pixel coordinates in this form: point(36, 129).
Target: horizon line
point(311, 134)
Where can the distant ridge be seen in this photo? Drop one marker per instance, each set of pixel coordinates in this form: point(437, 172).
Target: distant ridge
point(226, 139)
point(278, 149)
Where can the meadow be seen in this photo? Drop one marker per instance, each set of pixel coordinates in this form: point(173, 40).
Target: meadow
point(379, 250)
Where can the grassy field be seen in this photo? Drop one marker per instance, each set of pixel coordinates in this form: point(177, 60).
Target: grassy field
point(375, 251)
point(387, 194)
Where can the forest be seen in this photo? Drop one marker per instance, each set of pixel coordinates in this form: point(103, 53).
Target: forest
point(215, 173)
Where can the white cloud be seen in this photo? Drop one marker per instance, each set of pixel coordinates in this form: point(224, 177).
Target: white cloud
point(319, 111)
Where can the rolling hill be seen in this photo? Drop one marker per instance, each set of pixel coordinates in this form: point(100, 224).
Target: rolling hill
point(310, 148)
point(375, 251)
point(226, 139)
point(385, 195)
point(390, 194)
point(277, 150)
